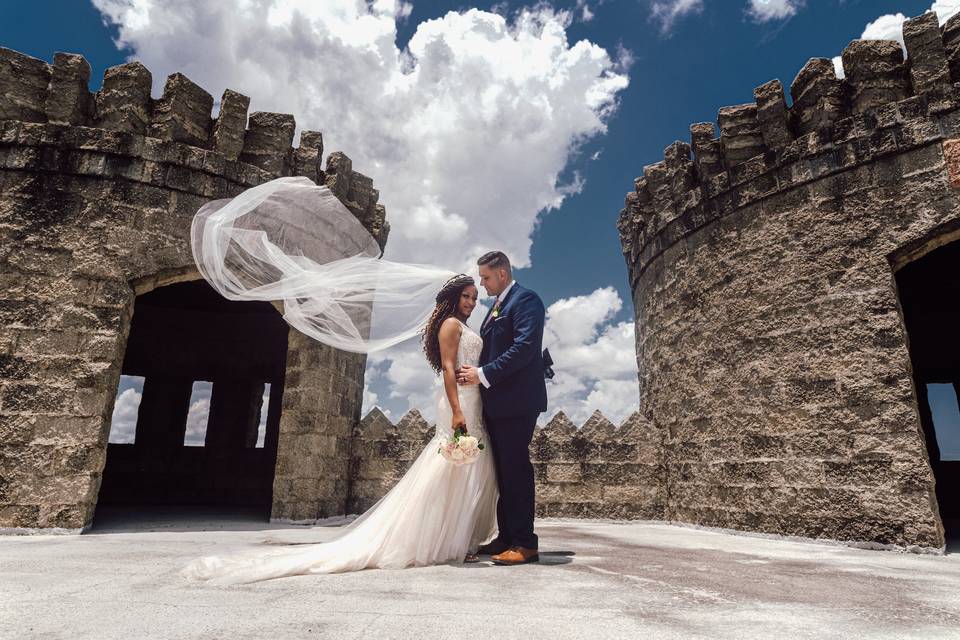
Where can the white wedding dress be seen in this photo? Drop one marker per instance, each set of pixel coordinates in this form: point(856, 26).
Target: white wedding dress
point(434, 514)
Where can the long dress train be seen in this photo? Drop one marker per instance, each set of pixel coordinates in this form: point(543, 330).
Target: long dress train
point(434, 514)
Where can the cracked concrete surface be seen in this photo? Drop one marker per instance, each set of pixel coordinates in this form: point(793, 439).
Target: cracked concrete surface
point(597, 579)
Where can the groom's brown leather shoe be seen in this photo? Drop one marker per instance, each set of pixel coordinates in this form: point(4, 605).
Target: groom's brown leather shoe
point(492, 548)
point(516, 555)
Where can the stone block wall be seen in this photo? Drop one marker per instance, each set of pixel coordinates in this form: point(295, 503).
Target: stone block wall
point(97, 193)
point(772, 353)
point(595, 471)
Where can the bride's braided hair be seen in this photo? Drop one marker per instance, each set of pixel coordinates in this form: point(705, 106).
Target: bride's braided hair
point(447, 300)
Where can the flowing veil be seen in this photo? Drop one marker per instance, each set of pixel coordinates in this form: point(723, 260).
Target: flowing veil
point(293, 241)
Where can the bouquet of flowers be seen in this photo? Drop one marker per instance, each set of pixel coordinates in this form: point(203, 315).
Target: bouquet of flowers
point(461, 448)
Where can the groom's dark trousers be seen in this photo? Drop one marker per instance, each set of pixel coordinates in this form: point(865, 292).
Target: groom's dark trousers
point(512, 363)
point(510, 441)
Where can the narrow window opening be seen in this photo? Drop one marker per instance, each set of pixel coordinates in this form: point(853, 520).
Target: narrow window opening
point(199, 414)
point(123, 424)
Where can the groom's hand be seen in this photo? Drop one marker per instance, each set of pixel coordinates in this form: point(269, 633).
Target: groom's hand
point(467, 375)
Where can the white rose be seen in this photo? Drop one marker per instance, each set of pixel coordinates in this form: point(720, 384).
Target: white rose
point(456, 455)
point(468, 442)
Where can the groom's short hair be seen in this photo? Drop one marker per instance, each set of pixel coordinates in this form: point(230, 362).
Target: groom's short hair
point(495, 260)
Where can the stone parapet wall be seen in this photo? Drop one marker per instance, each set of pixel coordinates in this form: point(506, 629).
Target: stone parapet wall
point(771, 348)
point(885, 105)
point(597, 470)
point(174, 140)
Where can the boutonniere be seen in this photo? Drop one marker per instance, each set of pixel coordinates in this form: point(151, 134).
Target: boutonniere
point(496, 313)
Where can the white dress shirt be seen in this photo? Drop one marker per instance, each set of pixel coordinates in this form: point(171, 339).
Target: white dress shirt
point(503, 295)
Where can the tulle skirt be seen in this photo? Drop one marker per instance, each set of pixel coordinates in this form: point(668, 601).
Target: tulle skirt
point(434, 514)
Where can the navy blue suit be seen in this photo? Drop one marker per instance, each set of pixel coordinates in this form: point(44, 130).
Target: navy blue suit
point(512, 363)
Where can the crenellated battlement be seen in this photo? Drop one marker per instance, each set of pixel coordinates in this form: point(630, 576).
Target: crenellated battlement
point(596, 470)
point(885, 104)
point(50, 105)
point(769, 261)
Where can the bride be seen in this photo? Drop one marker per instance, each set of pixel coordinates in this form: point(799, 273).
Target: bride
point(436, 513)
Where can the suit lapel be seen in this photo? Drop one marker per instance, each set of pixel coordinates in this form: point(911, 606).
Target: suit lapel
point(485, 327)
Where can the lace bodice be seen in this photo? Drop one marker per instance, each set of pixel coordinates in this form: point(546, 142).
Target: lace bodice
point(468, 352)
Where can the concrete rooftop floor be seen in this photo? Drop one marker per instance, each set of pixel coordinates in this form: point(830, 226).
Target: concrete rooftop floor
point(596, 579)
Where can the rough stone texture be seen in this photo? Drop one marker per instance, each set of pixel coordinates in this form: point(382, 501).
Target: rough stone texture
point(773, 117)
point(357, 192)
point(950, 33)
point(123, 102)
point(267, 143)
point(92, 217)
point(818, 96)
point(68, 97)
point(231, 123)
point(929, 70)
point(706, 148)
point(772, 352)
point(183, 113)
point(875, 72)
point(23, 86)
point(596, 471)
point(740, 134)
point(309, 155)
point(321, 405)
point(382, 452)
point(951, 155)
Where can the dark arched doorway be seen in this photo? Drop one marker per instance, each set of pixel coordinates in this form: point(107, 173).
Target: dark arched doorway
point(929, 290)
point(183, 338)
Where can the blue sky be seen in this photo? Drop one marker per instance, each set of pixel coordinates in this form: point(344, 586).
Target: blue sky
point(712, 54)
point(707, 61)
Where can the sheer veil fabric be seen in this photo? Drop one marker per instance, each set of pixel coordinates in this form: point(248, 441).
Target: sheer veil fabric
point(294, 241)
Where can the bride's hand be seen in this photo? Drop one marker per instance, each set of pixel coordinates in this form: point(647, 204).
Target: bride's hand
point(459, 422)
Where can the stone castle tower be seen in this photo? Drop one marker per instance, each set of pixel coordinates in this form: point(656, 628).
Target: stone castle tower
point(796, 283)
point(98, 193)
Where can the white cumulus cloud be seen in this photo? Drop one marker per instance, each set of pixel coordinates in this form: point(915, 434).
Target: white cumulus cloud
point(199, 412)
point(466, 130)
point(123, 425)
point(595, 357)
point(667, 12)
point(767, 10)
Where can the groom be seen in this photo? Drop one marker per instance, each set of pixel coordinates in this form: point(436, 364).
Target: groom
point(514, 394)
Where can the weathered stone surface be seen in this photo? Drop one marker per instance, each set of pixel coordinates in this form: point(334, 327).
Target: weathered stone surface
point(597, 470)
point(308, 156)
point(231, 124)
point(951, 156)
point(68, 97)
point(818, 96)
point(183, 113)
point(740, 135)
point(929, 70)
point(706, 148)
point(95, 216)
point(772, 351)
point(268, 140)
point(23, 87)
point(876, 73)
point(950, 32)
point(123, 102)
point(357, 192)
point(772, 115)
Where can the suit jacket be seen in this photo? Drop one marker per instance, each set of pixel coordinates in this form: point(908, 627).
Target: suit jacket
point(512, 356)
